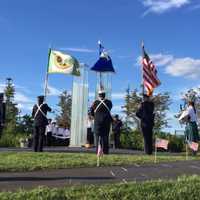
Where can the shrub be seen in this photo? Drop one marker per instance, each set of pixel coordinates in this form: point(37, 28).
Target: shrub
point(176, 144)
point(12, 140)
point(131, 140)
point(8, 140)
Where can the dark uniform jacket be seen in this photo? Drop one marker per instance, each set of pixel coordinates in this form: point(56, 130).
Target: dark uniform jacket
point(146, 113)
point(40, 119)
point(102, 117)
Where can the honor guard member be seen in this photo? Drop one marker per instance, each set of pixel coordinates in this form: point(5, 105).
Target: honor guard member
point(2, 113)
point(40, 121)
point(146, 115)
point(100, 110)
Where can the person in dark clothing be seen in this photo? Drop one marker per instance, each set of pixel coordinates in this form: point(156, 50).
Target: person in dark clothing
point(116, 129)
point(40, 121)
point(2, 113)
point(146, 115)
point(100, 110)
point(49, 133)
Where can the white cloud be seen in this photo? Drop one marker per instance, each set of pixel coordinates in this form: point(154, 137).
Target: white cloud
point(78, 49)
point(180, 67)
point(22, 98)
point(24, 102)
point(161, 59)
point(52, 91)
point(161, 6)
point(2, 86)
point(118, 95)
point(19, 96)
point(25, 107)
point(158, 59)
point(186, 67)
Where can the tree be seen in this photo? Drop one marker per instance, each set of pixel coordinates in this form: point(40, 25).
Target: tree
point(11, 106)
point(25, 124)
point(162, 102)
point(65, 103)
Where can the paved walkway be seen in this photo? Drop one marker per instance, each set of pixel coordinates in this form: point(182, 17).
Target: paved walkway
point(101, 175)
point(62, 149)
point(71, 150)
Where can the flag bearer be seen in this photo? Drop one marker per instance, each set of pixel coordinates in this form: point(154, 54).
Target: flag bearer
point(146, 115)
point(40, 121)
point(102, 120)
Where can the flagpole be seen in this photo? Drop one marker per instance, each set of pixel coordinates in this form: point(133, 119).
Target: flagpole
point(155, 158)
point(100, 75)
point(98, 160)
point(98, 156)
point(186, 152)
point(142, 78)
point(47, 75)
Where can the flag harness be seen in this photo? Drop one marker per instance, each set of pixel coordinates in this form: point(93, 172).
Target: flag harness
point(102, 102)
point(39, 110)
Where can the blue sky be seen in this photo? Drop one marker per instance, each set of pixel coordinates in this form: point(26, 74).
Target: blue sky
point(169, 29)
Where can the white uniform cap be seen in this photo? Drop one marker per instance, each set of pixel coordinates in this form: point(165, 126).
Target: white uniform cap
point(101, 92)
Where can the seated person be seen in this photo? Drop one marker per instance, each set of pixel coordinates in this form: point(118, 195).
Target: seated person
point(62, 135)
point(54, 128)
point(67, 132)
point(48, 133)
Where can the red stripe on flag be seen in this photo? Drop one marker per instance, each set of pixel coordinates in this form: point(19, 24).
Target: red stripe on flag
point(161, 143)
point(150, 79)
point(193, 145)
point(151, 75)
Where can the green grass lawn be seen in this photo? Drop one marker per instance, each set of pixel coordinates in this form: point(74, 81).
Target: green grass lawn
point(29, 161)
point(184, 188)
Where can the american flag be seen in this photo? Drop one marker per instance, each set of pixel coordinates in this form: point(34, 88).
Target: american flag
point(161, 143)
point(150, 79)
point(193, 145)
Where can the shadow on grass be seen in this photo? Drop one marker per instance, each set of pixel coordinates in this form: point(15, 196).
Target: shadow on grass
point(7, 179)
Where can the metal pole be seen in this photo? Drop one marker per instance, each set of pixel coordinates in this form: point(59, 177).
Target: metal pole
point(100, 75)
point(186, 152)
point(142, 78)
point(47, 75)
point(98, 152)
point(155, 158)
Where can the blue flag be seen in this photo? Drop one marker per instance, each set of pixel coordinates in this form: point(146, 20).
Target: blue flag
point(104, 63)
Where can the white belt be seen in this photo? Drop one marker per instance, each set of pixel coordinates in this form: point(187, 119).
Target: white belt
point(101, 102)
point(39, 109)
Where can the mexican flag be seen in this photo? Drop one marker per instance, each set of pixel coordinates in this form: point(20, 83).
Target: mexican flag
point(63, 63)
